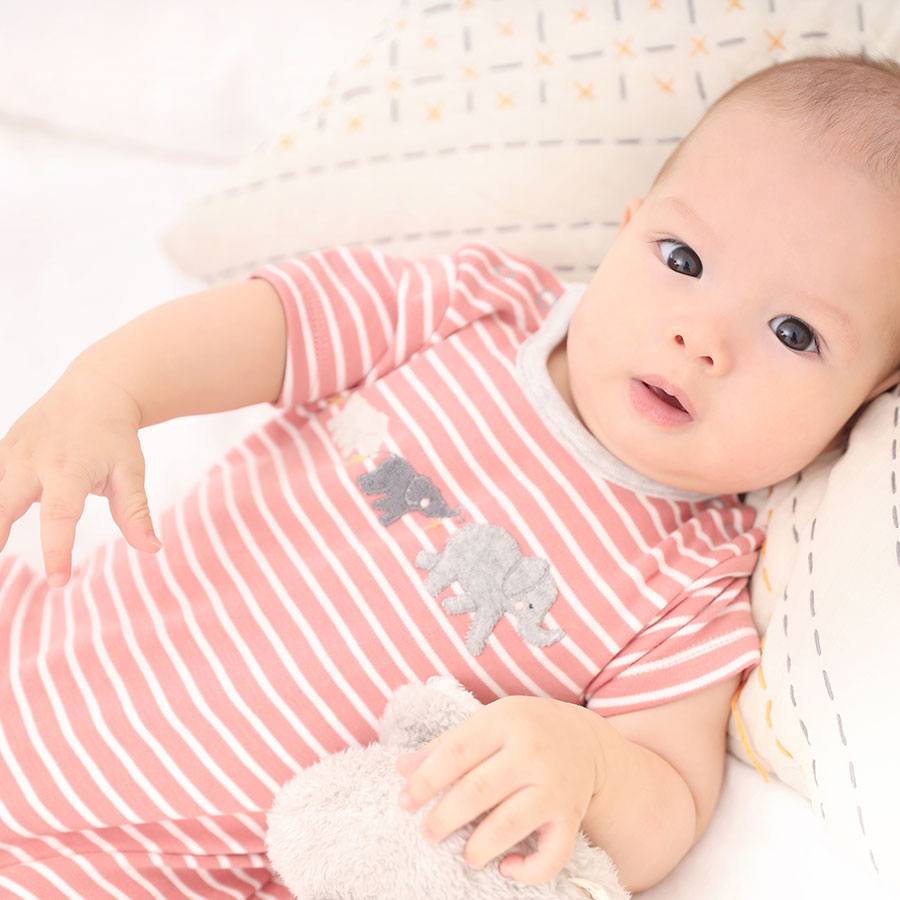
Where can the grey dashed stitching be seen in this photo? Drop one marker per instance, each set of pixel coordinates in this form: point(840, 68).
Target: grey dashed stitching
point(700, 88)
point(320, 169)
point(826, 680)
point(428, 79)
point(472, 231)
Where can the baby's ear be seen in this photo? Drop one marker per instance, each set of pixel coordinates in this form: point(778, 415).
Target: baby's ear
point(633, 205)
point(885, 384)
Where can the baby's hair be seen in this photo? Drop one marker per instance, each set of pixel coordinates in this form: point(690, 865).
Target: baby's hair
point(848, 104)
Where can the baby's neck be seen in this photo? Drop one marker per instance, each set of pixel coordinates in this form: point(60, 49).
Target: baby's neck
point(558, 369)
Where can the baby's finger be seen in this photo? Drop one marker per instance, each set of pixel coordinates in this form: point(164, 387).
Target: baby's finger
point(452, 755)
point(479, 790)
point(16, 496)
point(510, 822)
point(556, 843)
point(129, 509)
point(62, 504)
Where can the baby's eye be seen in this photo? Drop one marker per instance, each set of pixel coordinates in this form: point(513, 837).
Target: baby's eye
point(680, 257)
point(794, 333)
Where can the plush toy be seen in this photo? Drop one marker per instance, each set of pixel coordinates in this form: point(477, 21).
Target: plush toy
point(337, 832)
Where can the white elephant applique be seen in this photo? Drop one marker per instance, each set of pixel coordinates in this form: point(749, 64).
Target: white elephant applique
point(358, 426)
point(497, 578)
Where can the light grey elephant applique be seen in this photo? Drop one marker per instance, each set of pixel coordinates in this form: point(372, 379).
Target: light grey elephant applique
point(497, 578)
point(405, 490)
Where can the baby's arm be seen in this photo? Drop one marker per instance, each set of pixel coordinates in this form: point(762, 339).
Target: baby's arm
point(215, 350)
point(219, 349)
point(641, 785)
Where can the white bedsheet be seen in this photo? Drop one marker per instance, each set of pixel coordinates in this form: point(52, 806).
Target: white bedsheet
point(114, 116)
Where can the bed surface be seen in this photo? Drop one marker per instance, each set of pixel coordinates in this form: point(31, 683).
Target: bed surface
point(112, 120)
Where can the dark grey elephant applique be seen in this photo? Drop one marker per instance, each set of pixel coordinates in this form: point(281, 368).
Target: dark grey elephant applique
point(405, 490)
point(497, 578)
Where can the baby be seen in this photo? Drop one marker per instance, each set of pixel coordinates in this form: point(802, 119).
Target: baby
point(475, 470)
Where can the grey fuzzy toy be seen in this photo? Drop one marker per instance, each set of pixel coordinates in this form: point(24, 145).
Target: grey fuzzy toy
point(337, 832)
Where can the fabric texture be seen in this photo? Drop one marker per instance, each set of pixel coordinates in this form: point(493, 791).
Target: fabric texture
point(817, 713)
point(345, 807)
point(154, 705)
point(525, 123)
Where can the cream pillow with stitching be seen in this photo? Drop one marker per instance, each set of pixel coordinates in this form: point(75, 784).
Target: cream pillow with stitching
point(526, 123)
point(529, 124)
point(819, 712)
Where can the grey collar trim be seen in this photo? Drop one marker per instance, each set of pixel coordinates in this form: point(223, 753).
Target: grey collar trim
point(531, 366)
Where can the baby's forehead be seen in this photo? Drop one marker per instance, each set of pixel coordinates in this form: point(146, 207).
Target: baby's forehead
point(849, 113)
point(752, 126)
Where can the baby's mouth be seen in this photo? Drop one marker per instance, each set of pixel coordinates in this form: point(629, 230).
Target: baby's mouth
point(665, 397)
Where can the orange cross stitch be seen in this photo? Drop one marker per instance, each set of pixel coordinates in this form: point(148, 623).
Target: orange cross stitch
point(585, 91)
point(433, 112)
point(506, 29)
point(776, 40)
point(699, 44)
point(544, 58)
point(734, 4)
point(579, 15)
point(505, 100)
point(624, 48)
point(665, 86)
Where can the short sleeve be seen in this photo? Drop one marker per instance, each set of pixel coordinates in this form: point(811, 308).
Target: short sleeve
point(703, 637)
point(353, 314)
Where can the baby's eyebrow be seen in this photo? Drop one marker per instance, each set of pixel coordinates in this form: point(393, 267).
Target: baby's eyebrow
point(838, 315)
point(687, 212)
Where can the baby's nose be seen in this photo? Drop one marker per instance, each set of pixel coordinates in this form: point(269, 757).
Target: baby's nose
point(679, 339)
point(704, 343)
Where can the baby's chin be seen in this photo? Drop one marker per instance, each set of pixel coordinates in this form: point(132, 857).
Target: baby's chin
point(688, 477)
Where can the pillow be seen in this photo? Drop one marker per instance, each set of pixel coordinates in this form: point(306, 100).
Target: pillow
point(819, 711)
point(524, 123)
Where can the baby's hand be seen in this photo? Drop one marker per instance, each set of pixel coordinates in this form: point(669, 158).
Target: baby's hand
point(79, 438)
point(534, 762)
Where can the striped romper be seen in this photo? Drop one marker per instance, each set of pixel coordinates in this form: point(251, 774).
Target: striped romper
point(422, 502)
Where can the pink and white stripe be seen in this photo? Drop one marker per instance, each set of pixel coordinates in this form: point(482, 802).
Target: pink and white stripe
point(153, 706)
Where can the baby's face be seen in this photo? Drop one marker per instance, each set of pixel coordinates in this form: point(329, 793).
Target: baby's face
point(757, 283)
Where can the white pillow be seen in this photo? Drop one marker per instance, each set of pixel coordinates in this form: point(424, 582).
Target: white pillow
point(520, 122)
point(820, 711)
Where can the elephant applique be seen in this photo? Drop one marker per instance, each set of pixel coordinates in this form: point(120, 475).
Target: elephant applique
point(405, 490)
point(497, 578)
